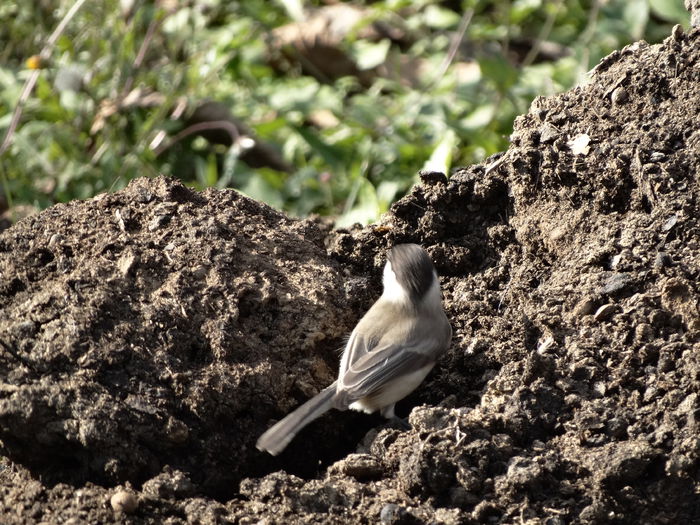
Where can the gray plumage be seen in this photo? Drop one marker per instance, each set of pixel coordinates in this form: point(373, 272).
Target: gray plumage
point(388, 354)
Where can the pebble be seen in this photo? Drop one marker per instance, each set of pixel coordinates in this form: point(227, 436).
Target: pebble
point(616, 427)
point(670, 223)
point(157, 222)
point(55, 240)
point(585, 306)
point(549, 134)
point(126, 263)
point(123, 501)
point(619, 96)
point(661, 260)
point(361, 466)
point(392, 513)
point(616, 283)
point(677, 32)
point(604, 313)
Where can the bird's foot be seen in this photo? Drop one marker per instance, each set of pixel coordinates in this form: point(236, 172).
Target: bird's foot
point(399, 423)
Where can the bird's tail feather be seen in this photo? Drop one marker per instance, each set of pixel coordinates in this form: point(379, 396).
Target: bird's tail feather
point(281, 433)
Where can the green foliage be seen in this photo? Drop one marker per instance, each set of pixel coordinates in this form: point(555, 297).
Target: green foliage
point(354, 142)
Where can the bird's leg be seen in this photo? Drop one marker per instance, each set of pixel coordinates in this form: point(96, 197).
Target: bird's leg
point(388, 411)
point(394, 420)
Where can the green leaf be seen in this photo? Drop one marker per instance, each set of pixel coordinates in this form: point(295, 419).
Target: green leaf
point(521, 9)
point(365, 210)
point(636, 15)
point(332, 156)
point(439, 17)
point(211, 174)
point(299, 95)
point(386, 193)
point(500, 71)
point(441, 158)
point(671, 10)
point(294, 8)
point(258, 188)
point(479, 118)
point(369, 54)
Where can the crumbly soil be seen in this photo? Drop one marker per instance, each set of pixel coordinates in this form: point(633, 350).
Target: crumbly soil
point(148, 337)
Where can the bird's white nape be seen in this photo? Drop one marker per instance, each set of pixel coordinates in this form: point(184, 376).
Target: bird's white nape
point(393, 291)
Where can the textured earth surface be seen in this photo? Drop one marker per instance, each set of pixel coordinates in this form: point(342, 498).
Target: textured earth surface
point(149, 336)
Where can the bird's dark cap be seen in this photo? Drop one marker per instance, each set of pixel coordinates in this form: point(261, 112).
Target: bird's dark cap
point(413, 268)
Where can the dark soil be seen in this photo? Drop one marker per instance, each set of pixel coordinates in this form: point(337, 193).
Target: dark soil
point(148, 337)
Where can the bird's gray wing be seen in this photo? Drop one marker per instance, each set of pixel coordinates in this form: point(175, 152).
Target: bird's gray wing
point(374, 367)
point(358, 345)
point(372, 334)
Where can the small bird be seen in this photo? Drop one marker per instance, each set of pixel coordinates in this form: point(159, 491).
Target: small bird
point(389, 352)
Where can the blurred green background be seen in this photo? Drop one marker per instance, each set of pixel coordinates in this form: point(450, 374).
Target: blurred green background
point(312, 107)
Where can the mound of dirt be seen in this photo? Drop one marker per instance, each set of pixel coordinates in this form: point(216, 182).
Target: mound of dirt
point(148, 337)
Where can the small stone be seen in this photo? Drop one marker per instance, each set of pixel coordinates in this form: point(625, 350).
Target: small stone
point(360, 466)
point(557, 233)
point(616, 427)
point(616, 283)
point(580, 145)
point(585, 306)
point(619, 96)
point(670, 222)
point(599, 388)
point(123, 501)
point(126, 263)
point(605, 312)
point(662, 260)
point(392, 513)
point(589, 514)
point(545, 345)
point(157, 222)
point(120, 220)
point(55, 240)
point(677, 33)
point(548, 134)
